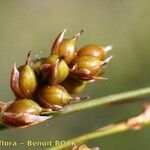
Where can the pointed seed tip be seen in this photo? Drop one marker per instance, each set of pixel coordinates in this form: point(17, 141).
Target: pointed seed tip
point(14, 67)
point(28, 58)
point(29, 53)
point(82, 30)
point(108, 48)
point(65, 30)
point(108, 59)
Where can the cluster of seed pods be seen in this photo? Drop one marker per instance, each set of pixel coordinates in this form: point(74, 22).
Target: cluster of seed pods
point(49, 83)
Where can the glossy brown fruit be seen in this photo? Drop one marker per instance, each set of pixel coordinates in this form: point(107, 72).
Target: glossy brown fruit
point(73, 86)
point(66, 48)
point(54, 69)
point(53, 95)
point(88, 68)
point(23, 80)
point(93, 50)
point(24, 106)
point(88, 64)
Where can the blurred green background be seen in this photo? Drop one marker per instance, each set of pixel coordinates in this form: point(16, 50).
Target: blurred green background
point(33, 24)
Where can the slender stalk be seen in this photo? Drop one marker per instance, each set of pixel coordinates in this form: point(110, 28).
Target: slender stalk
point(89, 136)
point(133, 123)
point(115, 98)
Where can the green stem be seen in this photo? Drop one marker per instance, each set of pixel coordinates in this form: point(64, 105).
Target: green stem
point(108, 130)
point(115, 98)
point(89, 136)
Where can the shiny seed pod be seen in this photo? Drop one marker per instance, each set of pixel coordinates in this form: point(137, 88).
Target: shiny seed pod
point(94, 50)
point(73, 86)
point(22, 113)
point(87, 67)
point(53, 95)
point(24, 106)
point(89, 63)
point(66, 48)
point(23, 80)
point(54, 69)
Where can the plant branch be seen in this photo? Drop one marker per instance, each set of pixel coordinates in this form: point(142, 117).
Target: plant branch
point(115, 98)
point(133, 123)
